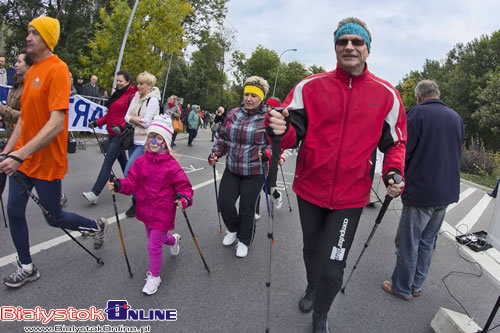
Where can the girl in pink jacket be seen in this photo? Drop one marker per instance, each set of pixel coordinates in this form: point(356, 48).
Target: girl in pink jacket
point(156, 177)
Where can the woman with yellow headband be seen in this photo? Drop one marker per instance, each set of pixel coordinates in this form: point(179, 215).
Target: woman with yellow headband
point(241, 138)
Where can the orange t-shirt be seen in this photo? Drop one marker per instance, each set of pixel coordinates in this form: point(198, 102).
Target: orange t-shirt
point(46, 89)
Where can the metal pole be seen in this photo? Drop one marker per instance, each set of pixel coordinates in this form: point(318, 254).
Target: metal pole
point(166, 78)
point(124, 41)
point(278, 69)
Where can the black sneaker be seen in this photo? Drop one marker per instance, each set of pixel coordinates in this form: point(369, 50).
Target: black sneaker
point(20, 276)
point(100, 235)
point(131, 211)
point(307, 300)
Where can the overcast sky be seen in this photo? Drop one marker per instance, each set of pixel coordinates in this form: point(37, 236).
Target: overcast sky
point(404, 33)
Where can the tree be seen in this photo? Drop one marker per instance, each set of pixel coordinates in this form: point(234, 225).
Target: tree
point(205, 15)
point(289, 76)
point(76, 18)
point(155, 33)
point(316, 69)
point(488, 113)
point(204, 76)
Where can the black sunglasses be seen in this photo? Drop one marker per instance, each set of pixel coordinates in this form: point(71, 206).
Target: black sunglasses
point(355, 42)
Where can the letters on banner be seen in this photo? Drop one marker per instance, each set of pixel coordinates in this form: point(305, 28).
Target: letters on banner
point(81, 110)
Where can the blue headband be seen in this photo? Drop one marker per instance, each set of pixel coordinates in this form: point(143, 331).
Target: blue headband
point(356, 29)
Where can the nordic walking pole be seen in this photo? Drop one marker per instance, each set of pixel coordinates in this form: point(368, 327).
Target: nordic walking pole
point(397, 179)
point(111, 178)
point(178, 196)
point(3, 212)
point(265, 191)
point(273, 173)
point(49, 216)
point(286, 191)
point(217, 199)
point(3, 179)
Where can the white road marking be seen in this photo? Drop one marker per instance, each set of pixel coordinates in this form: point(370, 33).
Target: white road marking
point(463, 196)
point(474, 214)
point(64, 238)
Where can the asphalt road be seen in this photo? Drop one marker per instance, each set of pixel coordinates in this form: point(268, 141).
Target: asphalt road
point(232, 298)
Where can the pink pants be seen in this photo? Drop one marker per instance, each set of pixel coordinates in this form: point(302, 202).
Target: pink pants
point(156, 239)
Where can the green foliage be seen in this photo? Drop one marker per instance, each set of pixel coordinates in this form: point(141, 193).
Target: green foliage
point(155, 33)
point(75, 17)
point(205, 15)
point(289, 76)
point(263, 63)
point(316, 69)
point(469, 83)
point(488, 112)
point(475, 160)
point(206, 76)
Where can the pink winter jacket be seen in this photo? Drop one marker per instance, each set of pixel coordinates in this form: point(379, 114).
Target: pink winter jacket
point(156, 179)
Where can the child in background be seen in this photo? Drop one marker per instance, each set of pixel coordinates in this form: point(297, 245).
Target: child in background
point(156, 177)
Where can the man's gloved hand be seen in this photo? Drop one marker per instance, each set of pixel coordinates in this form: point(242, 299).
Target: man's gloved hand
point(277, 122)
point(93, 124)
point(394, 183)
point(213, 157)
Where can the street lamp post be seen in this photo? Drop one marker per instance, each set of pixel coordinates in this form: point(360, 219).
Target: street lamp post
point(278, 69)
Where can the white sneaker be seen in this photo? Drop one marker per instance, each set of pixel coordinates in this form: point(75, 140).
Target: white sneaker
point(257, 217)
point(229, 238)
point(91, 197)
point(152, 284)
point(241, 250)
point(278, 201)
point(174, 249)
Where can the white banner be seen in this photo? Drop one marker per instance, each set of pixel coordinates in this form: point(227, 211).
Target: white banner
point(81, 110)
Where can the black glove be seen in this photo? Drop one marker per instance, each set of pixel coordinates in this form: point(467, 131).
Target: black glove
point(116, 129)
point(396, 176)
point(93, 124)
point(116, 182)
point(269, 130)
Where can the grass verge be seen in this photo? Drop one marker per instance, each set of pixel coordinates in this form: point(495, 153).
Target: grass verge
point(488, 181)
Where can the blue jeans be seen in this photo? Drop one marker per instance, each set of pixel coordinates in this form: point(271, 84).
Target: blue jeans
point(417, 233)
point(133, 153)
point(49, 193)
point(112, 154)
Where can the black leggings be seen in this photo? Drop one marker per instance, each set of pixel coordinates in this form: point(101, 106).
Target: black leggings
point(247, 189)
point(328, 236)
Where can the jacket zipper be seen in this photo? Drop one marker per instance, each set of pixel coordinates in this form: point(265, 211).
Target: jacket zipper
point(149, 186)
point(344, 114)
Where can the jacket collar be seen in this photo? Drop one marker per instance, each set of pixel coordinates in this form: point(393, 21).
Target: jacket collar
point(432, 101)
point(157, 157)
point(346, 76)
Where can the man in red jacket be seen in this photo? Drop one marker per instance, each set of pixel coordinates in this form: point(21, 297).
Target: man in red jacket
point(339, 118)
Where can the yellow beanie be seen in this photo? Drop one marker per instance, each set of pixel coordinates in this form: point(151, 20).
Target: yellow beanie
point(49, 28)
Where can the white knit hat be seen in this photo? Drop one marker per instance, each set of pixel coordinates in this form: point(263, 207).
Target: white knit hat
point(163, 126)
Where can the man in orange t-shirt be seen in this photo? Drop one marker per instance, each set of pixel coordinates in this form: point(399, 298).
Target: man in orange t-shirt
point(36, 151)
